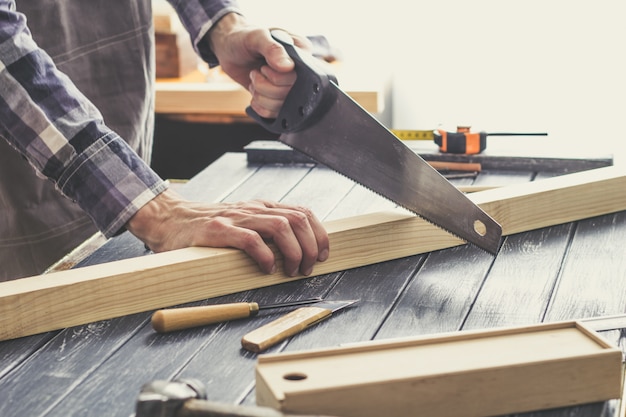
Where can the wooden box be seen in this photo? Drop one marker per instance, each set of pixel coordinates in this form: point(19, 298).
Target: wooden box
point(461, 374)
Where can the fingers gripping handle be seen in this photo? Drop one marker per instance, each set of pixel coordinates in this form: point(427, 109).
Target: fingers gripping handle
point(308, 98)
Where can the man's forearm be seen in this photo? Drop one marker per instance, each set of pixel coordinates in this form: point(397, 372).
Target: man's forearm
point(62, 134)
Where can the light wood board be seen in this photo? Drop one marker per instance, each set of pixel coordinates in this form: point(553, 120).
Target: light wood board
point(226, 97)
point(67, 298)
point(463, 374)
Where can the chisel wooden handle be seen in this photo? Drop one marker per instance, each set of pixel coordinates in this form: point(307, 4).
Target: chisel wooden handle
point(183, 318)
point(292, 323)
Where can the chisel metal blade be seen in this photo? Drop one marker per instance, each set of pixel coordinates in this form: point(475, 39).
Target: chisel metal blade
point(321, 121)
point(605, 323)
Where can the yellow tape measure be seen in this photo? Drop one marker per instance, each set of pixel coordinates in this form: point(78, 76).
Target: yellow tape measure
point(413, 134)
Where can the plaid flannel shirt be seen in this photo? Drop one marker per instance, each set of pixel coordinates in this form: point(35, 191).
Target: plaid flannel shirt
point(61, 133)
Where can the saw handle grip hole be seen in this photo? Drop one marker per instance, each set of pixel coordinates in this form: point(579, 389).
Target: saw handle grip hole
point(295, 376)
point(480, 228)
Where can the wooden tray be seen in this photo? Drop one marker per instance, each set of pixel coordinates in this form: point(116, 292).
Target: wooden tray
point(464, 374)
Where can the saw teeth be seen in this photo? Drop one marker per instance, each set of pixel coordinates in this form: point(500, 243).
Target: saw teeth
point(402, 206)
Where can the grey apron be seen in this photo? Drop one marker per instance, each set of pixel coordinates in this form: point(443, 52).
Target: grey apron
point(106, 47)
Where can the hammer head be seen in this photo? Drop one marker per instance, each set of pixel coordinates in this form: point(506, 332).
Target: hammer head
point(165, 398)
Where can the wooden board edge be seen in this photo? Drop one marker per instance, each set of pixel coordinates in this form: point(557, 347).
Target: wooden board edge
point(604, 363)
point(551, 201)
point(424, 339)
point(31, 305)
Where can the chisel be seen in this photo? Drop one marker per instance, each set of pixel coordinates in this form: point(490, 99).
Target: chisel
point(290, 324)
point(169, 320)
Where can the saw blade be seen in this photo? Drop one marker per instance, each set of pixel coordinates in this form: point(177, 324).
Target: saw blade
point(321, 121)
point(350, 141)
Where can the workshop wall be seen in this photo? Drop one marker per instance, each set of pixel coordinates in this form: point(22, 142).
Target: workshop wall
point(555, 66)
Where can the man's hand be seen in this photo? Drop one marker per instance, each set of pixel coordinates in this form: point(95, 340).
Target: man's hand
point(169, 222)
point(250, 56)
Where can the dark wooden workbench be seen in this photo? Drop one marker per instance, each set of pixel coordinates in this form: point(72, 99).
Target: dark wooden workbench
point(573, 270)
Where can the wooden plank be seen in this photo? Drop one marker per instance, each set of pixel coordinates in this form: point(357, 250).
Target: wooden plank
point(30, 305)
point(441, 295)
point(224, 97)
point(360, 200)
point(520, 282)
point(463, 287)
point(555, 200)
point(330, 189)
point(487, 372)
point(595, 265)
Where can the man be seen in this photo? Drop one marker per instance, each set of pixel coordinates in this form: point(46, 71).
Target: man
point(106, 49)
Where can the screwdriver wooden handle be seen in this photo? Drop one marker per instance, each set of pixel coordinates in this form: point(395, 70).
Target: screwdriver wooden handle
point(168, 320)
point(278, 330)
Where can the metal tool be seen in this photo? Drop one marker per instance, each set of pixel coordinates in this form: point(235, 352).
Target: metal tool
point(172, 319)
point(460, 142)
point(187, 398)
point(290, 324)
point(605, 323)
point(321, 121)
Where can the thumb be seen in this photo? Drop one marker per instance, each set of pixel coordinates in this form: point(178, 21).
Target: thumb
point(276, 56)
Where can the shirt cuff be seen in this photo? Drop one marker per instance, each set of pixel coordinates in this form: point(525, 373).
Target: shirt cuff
point(201, 44)
point(110, 182)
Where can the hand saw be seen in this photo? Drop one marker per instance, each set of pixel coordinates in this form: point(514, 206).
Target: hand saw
point(318, 119)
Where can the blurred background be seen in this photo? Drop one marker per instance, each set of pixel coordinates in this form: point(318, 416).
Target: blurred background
point(537, 65)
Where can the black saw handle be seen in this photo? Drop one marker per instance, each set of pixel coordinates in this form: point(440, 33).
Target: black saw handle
point(310, 96)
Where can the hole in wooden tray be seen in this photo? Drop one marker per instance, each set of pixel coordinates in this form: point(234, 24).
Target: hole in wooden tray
point(295, 376)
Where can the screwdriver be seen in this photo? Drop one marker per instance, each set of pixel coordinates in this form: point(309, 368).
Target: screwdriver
point(172, 319)
point(460, 142)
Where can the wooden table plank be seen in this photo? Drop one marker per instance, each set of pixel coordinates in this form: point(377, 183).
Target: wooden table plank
point(97, 369)
point(16, 351)
point(330, 189)
point(270, 182)
point(445, 289)
point(440, 296)
point(595, 268)
point(219, 179)
point(360, 200)
point(63, 363)
point(518, 286)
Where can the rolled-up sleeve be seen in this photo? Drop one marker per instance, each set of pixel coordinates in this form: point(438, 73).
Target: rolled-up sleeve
point(61, 133)
point(199, 16)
